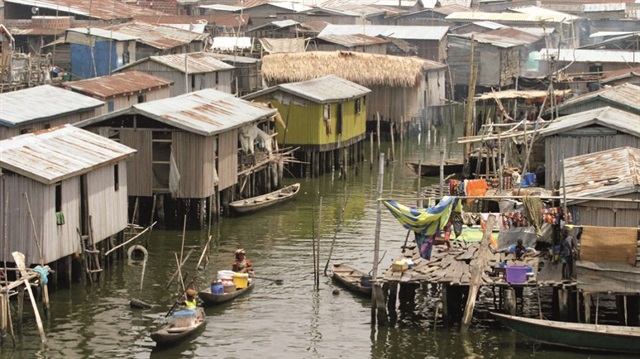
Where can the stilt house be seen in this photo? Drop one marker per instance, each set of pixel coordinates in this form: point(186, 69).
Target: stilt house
point(325, 118)
point(60, 184)
point(190, 151)
point(43, 107)
point(405, 91)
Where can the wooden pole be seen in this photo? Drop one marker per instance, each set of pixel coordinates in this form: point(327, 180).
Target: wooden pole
point(184, 231)
point(313, 245)
point(476, 273)
point(371, 151)
point(393, 144)
point(181, 265)
point(130, 240)
point(317, 274)
point(376, 246)
point(19, 260)
point(419, 190)
point(442, 151)
point(378, 130)
point(180, 273)
point(335, 233)
point(501, 185)
point(470, 95)
point(564, 187)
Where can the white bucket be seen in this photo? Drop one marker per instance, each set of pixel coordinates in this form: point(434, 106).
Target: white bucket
point(225, 275)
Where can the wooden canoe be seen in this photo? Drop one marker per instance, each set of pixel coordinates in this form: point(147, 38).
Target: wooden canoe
point(431, 169)
point(209, 299)
point(266, 200)
point(609, 338)
point(350, 278)
point(171, 334)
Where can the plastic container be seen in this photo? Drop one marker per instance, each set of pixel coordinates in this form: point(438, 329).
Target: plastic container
point(529, 178)
point(516, 274)
point(225, 275)
point(241, 280)
point(184, 318)
point(217, 288)
point(229, 287)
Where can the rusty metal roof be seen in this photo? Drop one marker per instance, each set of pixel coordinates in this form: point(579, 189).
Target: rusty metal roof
point(619, 120)
point(353, 40)
point(504, 17)
point(103, 10)
point(504, 38)
point(624, 95)
point(197, 62)
point(107, 34)
point(41, 103)
point(161, 37)
point(544, 14)
point(205, 112)
point(124, 83)
point(52, 155)
point(324, 89)
point(607, 173)
point(395, 31)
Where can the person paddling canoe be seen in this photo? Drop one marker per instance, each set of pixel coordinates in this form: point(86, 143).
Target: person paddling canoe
point(241, 264)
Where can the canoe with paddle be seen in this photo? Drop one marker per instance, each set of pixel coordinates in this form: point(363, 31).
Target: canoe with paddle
point(256, 203)
point(208, 298)
point(183, 326)
point(352, 279)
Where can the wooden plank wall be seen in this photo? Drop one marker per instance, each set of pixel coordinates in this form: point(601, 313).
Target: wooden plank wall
point(139, 169)
point(107, 206)
point(228, 159)
point(195, 156)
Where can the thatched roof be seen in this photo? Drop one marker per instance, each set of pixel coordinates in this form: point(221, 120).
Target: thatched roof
point(364, 69)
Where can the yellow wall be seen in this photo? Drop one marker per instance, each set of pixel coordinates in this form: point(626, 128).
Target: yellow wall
point(307, 127)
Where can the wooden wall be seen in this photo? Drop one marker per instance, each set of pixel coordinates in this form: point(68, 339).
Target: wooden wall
point(139, 174)
point(610, 214)
point(6, 132)
point(107, 204)
point(195, 158)
point(227, 159)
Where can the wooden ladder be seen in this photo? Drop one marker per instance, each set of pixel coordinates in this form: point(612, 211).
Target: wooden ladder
point(91, 256)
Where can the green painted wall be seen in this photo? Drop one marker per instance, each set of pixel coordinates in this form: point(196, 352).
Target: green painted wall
point(307, 127)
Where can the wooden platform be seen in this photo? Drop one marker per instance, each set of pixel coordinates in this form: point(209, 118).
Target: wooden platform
point(454, 267)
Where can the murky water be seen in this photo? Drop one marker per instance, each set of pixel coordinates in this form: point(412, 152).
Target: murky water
point(291, 320)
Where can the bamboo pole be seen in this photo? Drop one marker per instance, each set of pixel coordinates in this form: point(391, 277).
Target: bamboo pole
point(568, 198)
point(176, 272)
point(393, 143)
point(442, 150)
point(19, 260)
point(317, 274)
point(180, 273)
point(313, 245)
point(184, 231)
point(376, 246)
point(371, 151)
point(476, 274)
point(335, 233)
point(129, 240)
point(378, 130)
point(470, 96)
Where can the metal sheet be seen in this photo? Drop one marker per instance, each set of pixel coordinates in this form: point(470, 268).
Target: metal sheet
point(104, 10)
point(119, 84)
point(398, 32)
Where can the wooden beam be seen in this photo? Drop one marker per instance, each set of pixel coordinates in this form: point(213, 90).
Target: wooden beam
point(19, 259)
point(476, 273)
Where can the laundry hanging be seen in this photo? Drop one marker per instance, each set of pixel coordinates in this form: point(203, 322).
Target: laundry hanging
point(427, 221)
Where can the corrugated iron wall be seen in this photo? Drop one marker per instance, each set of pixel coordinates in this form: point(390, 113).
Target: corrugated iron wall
point(228, 159)
point(107, 206)
point(195, 157)
point(139, 173)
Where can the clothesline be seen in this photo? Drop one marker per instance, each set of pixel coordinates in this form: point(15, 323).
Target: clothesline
point(569, 198)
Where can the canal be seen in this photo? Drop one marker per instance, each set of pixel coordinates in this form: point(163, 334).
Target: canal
point(291, 320)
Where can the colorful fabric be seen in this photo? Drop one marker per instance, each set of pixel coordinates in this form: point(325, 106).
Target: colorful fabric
point(425, 245)
point(427, 221)
point(475, 188)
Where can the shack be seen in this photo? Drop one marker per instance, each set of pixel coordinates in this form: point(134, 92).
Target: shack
point(357, 42)
point(188, 72)
point(625, 97)
point(325, 119)
point(247, 77)
point(584, 133)
point(613, 173)
point(96, 52)
point(499, 55)
point(408, 92)
point(191, 153)
point(66, 190)
point(43, 107)
point(122, 90)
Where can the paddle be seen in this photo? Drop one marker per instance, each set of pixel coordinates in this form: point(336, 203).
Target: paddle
point(276, 281)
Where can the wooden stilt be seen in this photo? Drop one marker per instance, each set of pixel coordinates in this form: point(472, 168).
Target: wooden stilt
point(19, 260)
point(393, 144)
point(510, 301)
point(563, 305)
point(445, 305)
point(371, 151)
point(392, 301)
point(380, 305)
point(587, 307)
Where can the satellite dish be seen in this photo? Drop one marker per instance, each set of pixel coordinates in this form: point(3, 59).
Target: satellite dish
point(34, 10)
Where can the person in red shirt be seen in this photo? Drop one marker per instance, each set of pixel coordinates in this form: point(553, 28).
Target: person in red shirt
point(242, 264)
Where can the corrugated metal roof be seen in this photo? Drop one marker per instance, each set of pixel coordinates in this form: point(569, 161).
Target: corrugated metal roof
point(231, 59)
point(228, 43)
point(324, 89)
point(489, 25)
point(119, 84)
point(353, 40)
point(607, 173)
point(604, 7)
point(286, 5)
point(197, 62)
point(41, 103)
point(221, 7)
point(104, 10)
point(161, 37)
point(504, 38)
point(545, 14)
point(611, 33)
point(503, 16)
point(399, 32)
point(625, 95)
point(52, 155)
point(619, 120)
point(592, 55)
point(204, 112)
point(107, 34)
